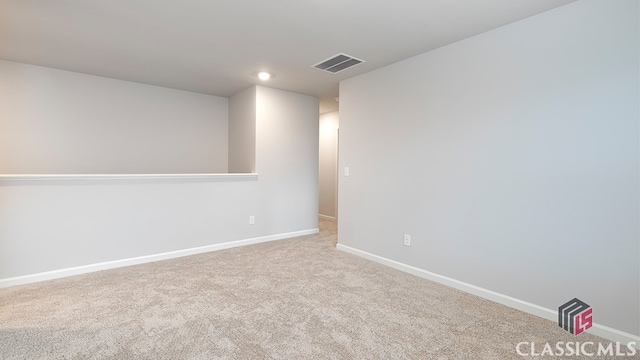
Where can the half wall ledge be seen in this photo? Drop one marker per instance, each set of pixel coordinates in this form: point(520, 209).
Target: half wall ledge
point(223, 177)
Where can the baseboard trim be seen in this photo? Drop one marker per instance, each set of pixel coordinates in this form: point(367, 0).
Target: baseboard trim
point(327, 217)
point(597, 329)
point(55, 274)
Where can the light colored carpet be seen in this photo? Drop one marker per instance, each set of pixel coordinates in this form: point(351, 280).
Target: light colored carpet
point(291, 299)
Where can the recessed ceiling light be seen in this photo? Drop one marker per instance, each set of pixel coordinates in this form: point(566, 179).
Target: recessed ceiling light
point(264, 76)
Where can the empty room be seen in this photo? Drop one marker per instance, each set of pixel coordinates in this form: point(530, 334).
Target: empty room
point(432, 179)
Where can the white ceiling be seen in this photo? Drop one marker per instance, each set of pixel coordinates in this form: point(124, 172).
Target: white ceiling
point(215, 47)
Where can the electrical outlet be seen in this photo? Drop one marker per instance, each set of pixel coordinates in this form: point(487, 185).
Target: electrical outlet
point(252, 220)
point(407, 240)
point(346, 171)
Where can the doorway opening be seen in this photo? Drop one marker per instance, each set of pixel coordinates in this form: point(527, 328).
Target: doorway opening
point(328, 166)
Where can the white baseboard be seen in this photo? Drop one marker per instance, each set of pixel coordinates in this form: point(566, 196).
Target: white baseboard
point(326, 217)
point(597, 329)
point(55, 274)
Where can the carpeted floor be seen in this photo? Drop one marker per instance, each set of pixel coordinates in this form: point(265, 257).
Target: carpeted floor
point(291, 299)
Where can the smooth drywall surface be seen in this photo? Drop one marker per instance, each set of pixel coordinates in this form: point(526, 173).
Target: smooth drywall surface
point(242, 132)
point(57, 122)
point(287, 158)
point(328, 179)
point(52, 225)
point(511, 158)
point(57, 225)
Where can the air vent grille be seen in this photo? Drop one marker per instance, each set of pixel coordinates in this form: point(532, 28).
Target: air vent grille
point(338, 63)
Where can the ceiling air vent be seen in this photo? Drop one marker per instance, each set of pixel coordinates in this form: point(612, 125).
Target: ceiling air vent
point(338, 63)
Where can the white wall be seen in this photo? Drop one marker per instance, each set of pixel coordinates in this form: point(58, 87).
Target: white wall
point(242, 132)
point(58, 225)
point(287, 158)
point(510, 157)
point(55, 225)
point(56, 122)
point(328, 186)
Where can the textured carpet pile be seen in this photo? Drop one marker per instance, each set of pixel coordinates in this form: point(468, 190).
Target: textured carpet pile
point(290, 299)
